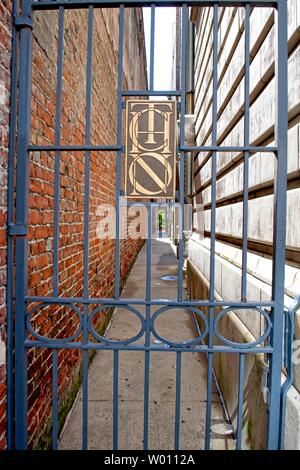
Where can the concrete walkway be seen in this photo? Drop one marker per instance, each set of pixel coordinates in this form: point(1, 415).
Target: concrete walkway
point(176, 325)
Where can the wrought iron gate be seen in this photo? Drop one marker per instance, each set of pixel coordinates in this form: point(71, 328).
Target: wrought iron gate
point(272, 311)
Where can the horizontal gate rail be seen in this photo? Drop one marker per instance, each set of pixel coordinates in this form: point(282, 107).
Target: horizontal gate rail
point(171, 302)
point(127, 347)
point(184, 148)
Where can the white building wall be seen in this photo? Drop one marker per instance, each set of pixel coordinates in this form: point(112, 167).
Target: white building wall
point(261, 187)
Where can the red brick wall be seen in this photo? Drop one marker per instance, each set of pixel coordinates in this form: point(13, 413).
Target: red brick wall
point(5, 58)
point(57, 322)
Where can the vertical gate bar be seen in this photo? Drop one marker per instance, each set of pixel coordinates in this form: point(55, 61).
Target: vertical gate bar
point(184, 30)
point(86, 224)
point(279, 226)
point(152, 47)
point(177, 401)
point(116, 400)
point(181, 226)
point(213, 156)
point(85, 391)
point(213, 224)
point(87, 152)
point(246, 154)
point(147, 331)
point(119, 154)
point(54, 398)
point(10, 239)
point(22, 179)
point(60, 46)
point(146, 390)
point(149, 251)
point(239, 426)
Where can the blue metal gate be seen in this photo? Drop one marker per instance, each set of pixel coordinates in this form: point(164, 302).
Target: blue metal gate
point(272, 311)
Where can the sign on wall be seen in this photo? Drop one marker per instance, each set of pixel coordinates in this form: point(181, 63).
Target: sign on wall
point(150, 155)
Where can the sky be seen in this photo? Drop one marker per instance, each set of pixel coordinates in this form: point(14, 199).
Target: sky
point(165, 19)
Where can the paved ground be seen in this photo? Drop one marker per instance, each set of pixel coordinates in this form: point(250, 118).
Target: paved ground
point(176, 325)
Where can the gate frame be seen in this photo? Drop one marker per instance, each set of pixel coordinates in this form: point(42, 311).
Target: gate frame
point(18, 228)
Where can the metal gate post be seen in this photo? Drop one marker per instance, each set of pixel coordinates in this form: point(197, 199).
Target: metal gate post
point(279, 226)
point(24, 23)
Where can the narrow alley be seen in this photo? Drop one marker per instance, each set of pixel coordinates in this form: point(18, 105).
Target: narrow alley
point(175, 325)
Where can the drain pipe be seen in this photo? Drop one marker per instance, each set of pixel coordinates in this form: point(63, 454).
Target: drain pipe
point(189, 136)
point(190, 120)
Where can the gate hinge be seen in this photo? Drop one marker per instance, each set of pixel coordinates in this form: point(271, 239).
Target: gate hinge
point(18, 230)
point(23, 22)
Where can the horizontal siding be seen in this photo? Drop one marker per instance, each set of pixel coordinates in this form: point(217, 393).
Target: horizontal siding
point(230, 124)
